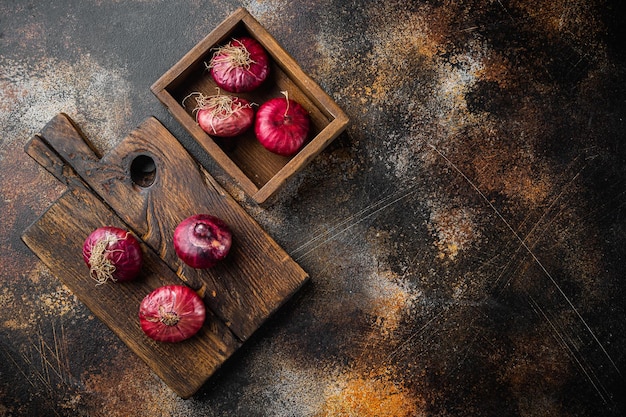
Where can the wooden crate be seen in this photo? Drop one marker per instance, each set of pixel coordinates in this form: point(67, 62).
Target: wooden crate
point(259, 172)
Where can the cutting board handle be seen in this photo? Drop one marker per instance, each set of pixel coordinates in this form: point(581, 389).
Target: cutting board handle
point(59, 147)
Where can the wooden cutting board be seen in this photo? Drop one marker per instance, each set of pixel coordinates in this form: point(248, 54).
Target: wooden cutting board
point(148, 184)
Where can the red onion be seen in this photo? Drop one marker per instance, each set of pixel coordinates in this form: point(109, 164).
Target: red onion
point(171, 313)
point(240, 66)
point(112, 254)
point(282, 125)
point(202, 240)
point(223, 115)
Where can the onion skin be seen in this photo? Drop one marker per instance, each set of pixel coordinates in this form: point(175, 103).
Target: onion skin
point(171, 313)
point(282, 126)
point(226, 123)
point(202, 240)
point(237, 75)
point(112, 253)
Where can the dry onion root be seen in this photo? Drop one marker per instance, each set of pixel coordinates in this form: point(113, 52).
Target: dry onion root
point(222, 115)
point(112, 254)
point(239, 66)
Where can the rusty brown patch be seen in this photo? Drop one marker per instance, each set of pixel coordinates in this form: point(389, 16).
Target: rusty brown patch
point(374, 394)
point(454, 229)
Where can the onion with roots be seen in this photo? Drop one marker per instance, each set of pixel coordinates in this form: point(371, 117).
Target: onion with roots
point(112, 254)
point(222, 115)
point(239, 66)
point(282, 125)
point(171, 313)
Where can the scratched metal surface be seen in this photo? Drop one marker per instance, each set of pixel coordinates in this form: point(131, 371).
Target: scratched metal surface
point(465, 238)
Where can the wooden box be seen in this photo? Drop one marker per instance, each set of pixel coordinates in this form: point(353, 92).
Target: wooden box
point(259, 172)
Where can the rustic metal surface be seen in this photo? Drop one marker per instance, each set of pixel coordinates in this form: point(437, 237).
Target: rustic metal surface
point(465, 238)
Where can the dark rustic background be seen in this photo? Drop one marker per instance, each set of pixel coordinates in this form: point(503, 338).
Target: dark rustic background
point(465, 237)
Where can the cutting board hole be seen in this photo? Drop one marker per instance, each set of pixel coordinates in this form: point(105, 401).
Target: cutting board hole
point(143, 171)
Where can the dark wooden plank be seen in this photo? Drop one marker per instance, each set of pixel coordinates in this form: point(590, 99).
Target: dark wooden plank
point(57, 239)
point(257, 277)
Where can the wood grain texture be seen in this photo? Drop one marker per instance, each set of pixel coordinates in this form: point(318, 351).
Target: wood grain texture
point(256, 278)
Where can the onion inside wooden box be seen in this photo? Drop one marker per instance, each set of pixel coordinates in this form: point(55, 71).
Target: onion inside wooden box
point(259, 172)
